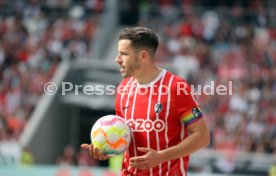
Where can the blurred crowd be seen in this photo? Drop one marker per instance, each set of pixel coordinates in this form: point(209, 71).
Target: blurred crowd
point(34, 37)
point(71, 157)
point(228, 41)
point(235, 43)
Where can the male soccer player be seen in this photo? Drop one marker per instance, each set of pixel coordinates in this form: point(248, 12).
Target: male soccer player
point(165, 120)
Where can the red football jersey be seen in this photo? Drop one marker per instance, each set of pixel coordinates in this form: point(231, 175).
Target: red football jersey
point(158, 114)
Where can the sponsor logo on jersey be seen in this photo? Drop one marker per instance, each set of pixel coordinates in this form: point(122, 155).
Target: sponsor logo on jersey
point(140, 125)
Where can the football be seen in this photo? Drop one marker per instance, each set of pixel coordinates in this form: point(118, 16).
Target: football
point(110, 134)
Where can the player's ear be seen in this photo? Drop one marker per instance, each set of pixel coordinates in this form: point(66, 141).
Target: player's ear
point(144, 55)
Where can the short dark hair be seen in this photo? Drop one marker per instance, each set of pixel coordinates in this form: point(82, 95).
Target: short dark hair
point(141, 37)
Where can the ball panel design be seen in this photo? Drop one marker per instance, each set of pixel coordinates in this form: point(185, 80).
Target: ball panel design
point(111, 134)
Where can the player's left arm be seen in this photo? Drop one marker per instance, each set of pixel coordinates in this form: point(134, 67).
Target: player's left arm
point(199, 137)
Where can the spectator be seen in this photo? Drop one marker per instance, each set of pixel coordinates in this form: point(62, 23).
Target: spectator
point(68, 156)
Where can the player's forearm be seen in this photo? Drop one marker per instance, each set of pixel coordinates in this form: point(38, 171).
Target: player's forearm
point(192, 143)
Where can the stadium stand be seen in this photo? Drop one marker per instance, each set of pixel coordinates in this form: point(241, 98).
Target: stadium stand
point(35, 37)
point(203, 41)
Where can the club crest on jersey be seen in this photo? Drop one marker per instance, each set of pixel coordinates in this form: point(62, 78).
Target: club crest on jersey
point(158, 107)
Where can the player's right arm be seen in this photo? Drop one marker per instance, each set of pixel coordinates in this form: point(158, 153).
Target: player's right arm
point(95, 152)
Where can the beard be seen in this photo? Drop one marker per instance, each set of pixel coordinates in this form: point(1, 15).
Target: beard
point(130, 70)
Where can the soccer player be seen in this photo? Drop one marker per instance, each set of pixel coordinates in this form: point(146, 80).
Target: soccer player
point(166, 122)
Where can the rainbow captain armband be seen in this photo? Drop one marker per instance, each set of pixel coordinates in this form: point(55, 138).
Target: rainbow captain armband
point(191, 116)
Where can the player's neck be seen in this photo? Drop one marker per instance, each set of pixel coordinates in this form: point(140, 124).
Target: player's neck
point(148, 74)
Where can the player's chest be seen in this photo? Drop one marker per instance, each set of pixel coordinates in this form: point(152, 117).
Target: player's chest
point(146, 106)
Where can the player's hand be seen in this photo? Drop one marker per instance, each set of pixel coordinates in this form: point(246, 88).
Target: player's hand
point(149, 160)
point(95, 152)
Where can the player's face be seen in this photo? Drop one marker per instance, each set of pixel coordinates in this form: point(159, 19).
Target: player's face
point(127, 59)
